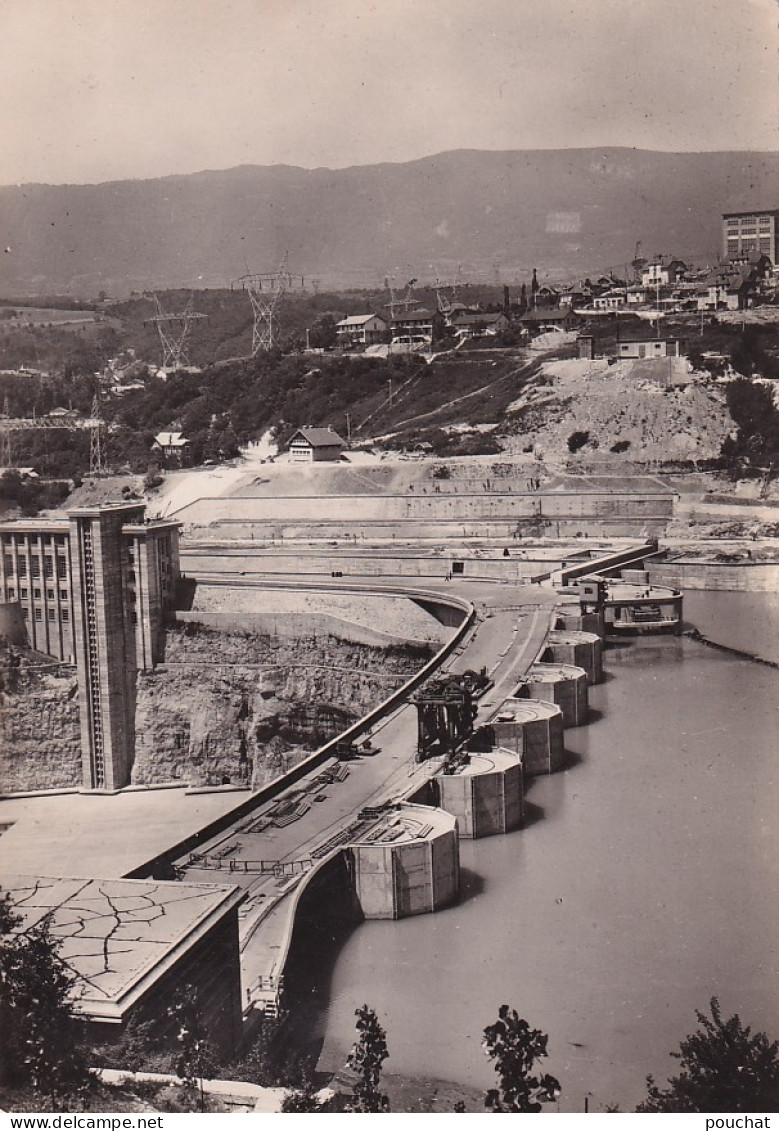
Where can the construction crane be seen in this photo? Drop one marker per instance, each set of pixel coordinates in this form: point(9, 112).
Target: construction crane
point(174, 341)
point(266, 290)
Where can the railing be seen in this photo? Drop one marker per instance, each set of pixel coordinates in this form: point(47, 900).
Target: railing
point(255, 867)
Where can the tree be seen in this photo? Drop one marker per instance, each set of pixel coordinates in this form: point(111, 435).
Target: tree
point(755, 447)
point(515, 1048)
point(39, 1037)
point(196, 1058)
point(366, 1058)
point(724, 1068)
point(301, 1100)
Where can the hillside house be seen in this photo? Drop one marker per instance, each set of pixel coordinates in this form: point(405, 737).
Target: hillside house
point(728, 288)
point(642, 346)
point(315, 445)
point(480, 325)
point(637, 295)
point(656, 273)
point(362, 330)
point(417, 327)
point(547, 295)
point(610, 300)
point(549, 318)
point(580, 294)
point(175, 449)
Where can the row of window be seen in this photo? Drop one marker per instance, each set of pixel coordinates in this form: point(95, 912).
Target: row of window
point(734, 221)
point(32, 539)
point(10, 594)
point(35, 566)
point(64, 615)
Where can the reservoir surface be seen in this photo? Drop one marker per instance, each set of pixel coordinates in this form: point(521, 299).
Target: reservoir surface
point(643, 884)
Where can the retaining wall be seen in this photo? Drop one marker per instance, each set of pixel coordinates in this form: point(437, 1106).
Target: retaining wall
point(303, 625)
point(750, 577)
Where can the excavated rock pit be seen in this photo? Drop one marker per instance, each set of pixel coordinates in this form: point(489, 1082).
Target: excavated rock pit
point(242, 708)
point(40, 743)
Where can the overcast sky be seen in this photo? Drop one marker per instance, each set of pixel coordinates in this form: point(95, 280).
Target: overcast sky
point(97, 90)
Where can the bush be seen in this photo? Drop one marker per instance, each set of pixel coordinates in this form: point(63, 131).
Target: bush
point(620, 446)
point(577, 440)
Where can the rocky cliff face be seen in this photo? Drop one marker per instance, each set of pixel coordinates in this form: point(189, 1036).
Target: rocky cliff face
point(40, 743)
point(243, 708)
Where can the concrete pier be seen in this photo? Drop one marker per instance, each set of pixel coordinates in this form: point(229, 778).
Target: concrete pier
point(485, 795)
point(582, 649)
point(534, 730)
point(563, 684)
point(410, 864)
point(571, 618)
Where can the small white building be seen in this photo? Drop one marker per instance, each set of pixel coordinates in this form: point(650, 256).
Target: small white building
point(610, 300)
point(652, 347)
point(315, 445)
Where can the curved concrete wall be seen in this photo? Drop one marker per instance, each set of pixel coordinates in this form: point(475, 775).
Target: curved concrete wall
point(563, 684)
point(582, 649)
point(486, 798)
point(534, 730)
point(395, 879)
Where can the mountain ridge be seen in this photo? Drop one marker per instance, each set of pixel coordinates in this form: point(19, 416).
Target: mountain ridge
point(497, 213)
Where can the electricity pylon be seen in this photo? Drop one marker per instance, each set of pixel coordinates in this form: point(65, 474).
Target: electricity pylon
point(96, 452)
point(401, 302)
point(266, 290)
point(174, 341)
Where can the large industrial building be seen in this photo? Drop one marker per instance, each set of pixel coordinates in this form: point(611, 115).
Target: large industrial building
point(93, 588)
point(750, 234)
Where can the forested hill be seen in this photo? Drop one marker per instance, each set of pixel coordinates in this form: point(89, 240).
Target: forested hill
point(496, 213)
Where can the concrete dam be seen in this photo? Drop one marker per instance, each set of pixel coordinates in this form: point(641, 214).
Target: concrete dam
point(383, 807)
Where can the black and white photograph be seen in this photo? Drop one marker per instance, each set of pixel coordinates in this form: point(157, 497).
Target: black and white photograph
point(389, 559)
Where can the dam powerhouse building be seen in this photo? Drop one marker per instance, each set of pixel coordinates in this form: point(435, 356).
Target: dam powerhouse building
point(94, 589)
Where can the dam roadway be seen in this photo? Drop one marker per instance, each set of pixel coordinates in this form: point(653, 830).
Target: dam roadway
point(507, 630)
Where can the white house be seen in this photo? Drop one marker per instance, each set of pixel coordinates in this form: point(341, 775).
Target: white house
point(315, 445)
point(362, 329)
point(656, 273)
point(174, 447)
point(610, 300)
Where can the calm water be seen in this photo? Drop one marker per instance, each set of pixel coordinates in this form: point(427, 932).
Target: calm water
point(645, 883)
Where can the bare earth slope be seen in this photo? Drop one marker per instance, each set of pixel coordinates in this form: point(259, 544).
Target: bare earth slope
point(618, 403)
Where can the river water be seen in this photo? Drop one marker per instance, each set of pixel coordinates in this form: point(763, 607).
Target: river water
point(644, 882)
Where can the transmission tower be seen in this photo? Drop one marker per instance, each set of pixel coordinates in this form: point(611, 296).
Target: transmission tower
point(266, 290)
point(96, 452)
point(401, 302)
point(446, 292)
point(6, 448)
point(173, 330)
